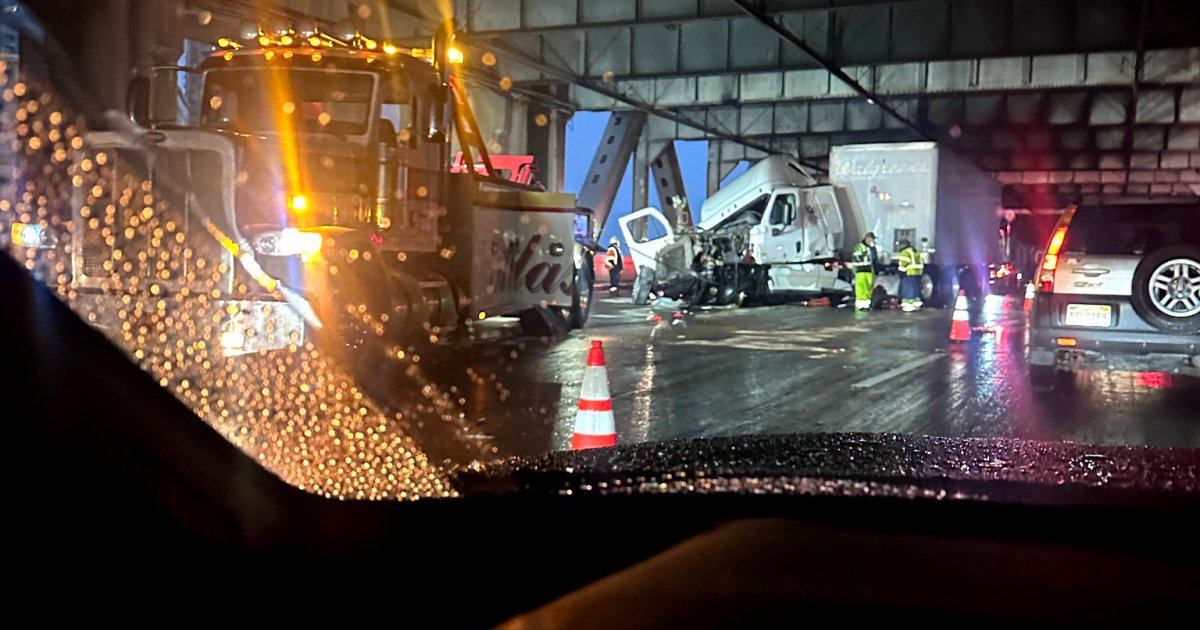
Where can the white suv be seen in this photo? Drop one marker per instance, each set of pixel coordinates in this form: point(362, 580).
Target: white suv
point(1119, 287)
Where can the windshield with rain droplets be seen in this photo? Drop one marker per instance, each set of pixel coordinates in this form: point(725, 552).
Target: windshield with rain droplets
point(429, 290)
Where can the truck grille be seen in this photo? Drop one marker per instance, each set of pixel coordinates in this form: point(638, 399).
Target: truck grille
point(175, 185)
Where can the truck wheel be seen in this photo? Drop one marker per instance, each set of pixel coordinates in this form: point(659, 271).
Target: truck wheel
point(581, 297)
point(410, 312)
point(944, 286)
point(928, 287)
point(641, 286)
point(354, 295)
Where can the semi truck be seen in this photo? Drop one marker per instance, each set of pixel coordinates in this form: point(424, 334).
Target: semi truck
point(329, 168)
point(947, 207)
point(777, 229)
point(772, 230)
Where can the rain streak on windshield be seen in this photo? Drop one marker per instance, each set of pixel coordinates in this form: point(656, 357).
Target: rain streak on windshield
point(369, 291)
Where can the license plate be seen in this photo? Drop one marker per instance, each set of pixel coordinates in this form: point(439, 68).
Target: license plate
point(1095, 315)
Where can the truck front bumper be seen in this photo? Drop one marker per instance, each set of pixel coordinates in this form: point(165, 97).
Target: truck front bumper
point(249, 326)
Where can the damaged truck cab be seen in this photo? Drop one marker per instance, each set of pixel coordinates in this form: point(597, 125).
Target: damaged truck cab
point(777, 230)
point(772, 230)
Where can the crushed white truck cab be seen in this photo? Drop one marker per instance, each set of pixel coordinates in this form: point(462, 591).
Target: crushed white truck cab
point(774, 229)
point(778, 229)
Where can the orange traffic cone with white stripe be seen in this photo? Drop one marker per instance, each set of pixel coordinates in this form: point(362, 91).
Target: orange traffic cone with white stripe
point(594, 422)
point(1028, 295)
point(960, 322)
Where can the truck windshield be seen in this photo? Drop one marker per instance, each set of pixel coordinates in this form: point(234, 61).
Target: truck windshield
point(262, 100)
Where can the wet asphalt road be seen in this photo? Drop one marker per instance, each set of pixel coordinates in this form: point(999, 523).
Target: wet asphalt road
point(791, 368)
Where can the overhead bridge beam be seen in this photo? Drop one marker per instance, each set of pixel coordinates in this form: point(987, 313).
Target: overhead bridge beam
point(784, 33)
point(668, 181)
point(617, 145)
point(513, 55)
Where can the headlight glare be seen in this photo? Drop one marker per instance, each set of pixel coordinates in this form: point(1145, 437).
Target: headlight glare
point(288, 242)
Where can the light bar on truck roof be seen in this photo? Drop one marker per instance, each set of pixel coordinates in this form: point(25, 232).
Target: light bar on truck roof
point(306, 34)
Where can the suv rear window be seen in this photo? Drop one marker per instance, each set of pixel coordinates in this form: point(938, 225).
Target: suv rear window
point(1134, 230)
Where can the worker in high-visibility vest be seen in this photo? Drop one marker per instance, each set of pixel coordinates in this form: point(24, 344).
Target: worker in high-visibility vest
point(614, 264)
point(863, 260)
point(912, 265)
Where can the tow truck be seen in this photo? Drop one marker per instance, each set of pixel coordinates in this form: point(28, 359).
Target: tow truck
point(330, 167)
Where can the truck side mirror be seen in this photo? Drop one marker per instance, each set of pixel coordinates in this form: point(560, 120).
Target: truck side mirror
point(435, 128)
point(137, 100)
point(407, 139)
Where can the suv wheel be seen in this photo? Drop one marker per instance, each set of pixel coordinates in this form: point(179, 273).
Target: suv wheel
point(1166, 289)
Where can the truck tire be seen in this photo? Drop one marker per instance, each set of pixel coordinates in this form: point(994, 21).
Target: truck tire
point(1165, 293)
point(351, 283)
point(641, 286)
point(410, 312)
point(945, 287)
point(581, 297)
point(928, 287)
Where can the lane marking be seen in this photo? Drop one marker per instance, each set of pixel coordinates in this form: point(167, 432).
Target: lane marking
point(896, 371)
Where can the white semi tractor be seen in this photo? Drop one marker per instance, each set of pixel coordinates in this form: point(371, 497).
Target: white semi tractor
point(777, 229)
point(774, 229)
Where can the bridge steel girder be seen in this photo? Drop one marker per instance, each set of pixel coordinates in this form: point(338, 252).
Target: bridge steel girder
point(668, 181)
point(617, 145)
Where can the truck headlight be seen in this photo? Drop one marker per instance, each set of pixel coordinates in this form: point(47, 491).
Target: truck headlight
point(287, 242)
point(233, 340)
point(33, 236)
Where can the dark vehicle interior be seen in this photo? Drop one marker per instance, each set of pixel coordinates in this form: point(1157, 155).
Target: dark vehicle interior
point(146, 501)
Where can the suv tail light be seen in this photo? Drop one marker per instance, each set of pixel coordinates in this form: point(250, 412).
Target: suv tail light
point(1050, 259)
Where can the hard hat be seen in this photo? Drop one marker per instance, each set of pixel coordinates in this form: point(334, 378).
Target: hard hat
point(905, 243)
point(869, 235)
point(614, 241)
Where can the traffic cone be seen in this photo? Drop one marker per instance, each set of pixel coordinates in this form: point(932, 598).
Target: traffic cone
point(1028, 295)
point(960, 322)
point(594, 422)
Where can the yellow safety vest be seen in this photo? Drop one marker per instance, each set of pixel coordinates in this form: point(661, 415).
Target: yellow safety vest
point(911, 262)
